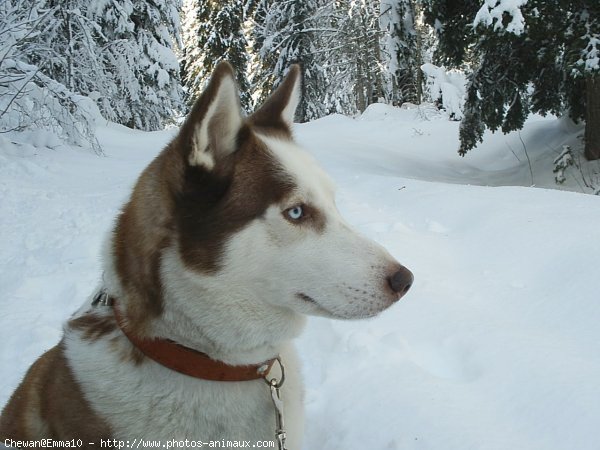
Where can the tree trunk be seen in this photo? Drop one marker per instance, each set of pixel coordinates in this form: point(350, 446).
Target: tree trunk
point(417, 11)
point(359, 86)
point(67, 15)
point(592, 116)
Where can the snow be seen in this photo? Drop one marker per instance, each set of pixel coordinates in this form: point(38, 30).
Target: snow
point(592, 54)
point(493, 12)
point(497, 344)
point(448, 87)
point(388, 16)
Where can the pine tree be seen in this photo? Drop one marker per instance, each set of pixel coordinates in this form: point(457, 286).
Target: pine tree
point(29, 97)
point(119, 53)
point(349, 53)
point(283, 36)
point(69, 46)
point(138, 38)
point(338, 45)
point(540, 57)
point(213, 32)
point(362, 37)
point(583, 60)
point(402, 52)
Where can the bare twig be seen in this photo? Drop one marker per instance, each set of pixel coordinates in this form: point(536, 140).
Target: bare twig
point(528, 160)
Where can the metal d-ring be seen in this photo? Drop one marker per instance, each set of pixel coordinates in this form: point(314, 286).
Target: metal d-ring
point(273, 381)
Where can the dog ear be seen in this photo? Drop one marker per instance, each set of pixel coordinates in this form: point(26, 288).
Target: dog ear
point(280, 106)
point(211, 128)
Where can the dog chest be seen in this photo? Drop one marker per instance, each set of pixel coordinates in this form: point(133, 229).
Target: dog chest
point(148, 401)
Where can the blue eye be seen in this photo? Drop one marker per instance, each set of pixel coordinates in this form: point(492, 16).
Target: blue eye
point(295, 213)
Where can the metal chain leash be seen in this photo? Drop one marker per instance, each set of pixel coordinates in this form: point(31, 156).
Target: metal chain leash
point(275, 386)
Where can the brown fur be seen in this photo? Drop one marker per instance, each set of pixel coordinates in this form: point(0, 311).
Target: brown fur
point(50, 404)
point(206, 219)
point(152, 203)
point(93, 326)
point(312, 217)
point(137, 254)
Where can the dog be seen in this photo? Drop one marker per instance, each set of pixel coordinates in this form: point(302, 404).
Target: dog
point(230, 238)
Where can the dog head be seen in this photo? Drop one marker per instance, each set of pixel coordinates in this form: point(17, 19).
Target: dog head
point(238, 213)
point(268, 226)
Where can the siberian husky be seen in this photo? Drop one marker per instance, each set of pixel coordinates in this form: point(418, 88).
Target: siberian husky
point(230, 238)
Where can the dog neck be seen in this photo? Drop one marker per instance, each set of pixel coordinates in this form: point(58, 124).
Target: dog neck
point(183, 359)
point(227, 328)
point(227, 335)
point(223, 320)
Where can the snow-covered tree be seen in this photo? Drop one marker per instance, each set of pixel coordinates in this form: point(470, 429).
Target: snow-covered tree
point(527, 56)
point(141, 72)
point(29, 98)
point(346, 38)
point(362, 37)
point(284, 34)
point(446, 88)
point(213, 32)
point(401, 51)
point(61, 60)
point(583, 61)
point(117, 52)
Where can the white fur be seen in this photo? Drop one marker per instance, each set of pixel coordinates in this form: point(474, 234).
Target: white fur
point(343, 271)
point(153, 402)
point(230, 321)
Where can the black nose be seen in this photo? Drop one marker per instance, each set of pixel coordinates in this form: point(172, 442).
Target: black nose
point(401, 281)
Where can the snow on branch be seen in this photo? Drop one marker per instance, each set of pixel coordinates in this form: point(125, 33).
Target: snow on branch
point(30, 100)
point(591, 51)
point(493, 12)
point(447, 88)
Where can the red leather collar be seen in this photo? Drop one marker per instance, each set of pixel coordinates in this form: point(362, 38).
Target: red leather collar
point(191, 362)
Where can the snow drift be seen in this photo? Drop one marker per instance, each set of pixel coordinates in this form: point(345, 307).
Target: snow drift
point(495, 347)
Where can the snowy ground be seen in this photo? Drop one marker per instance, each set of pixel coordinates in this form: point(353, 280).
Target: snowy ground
point(497, 346)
